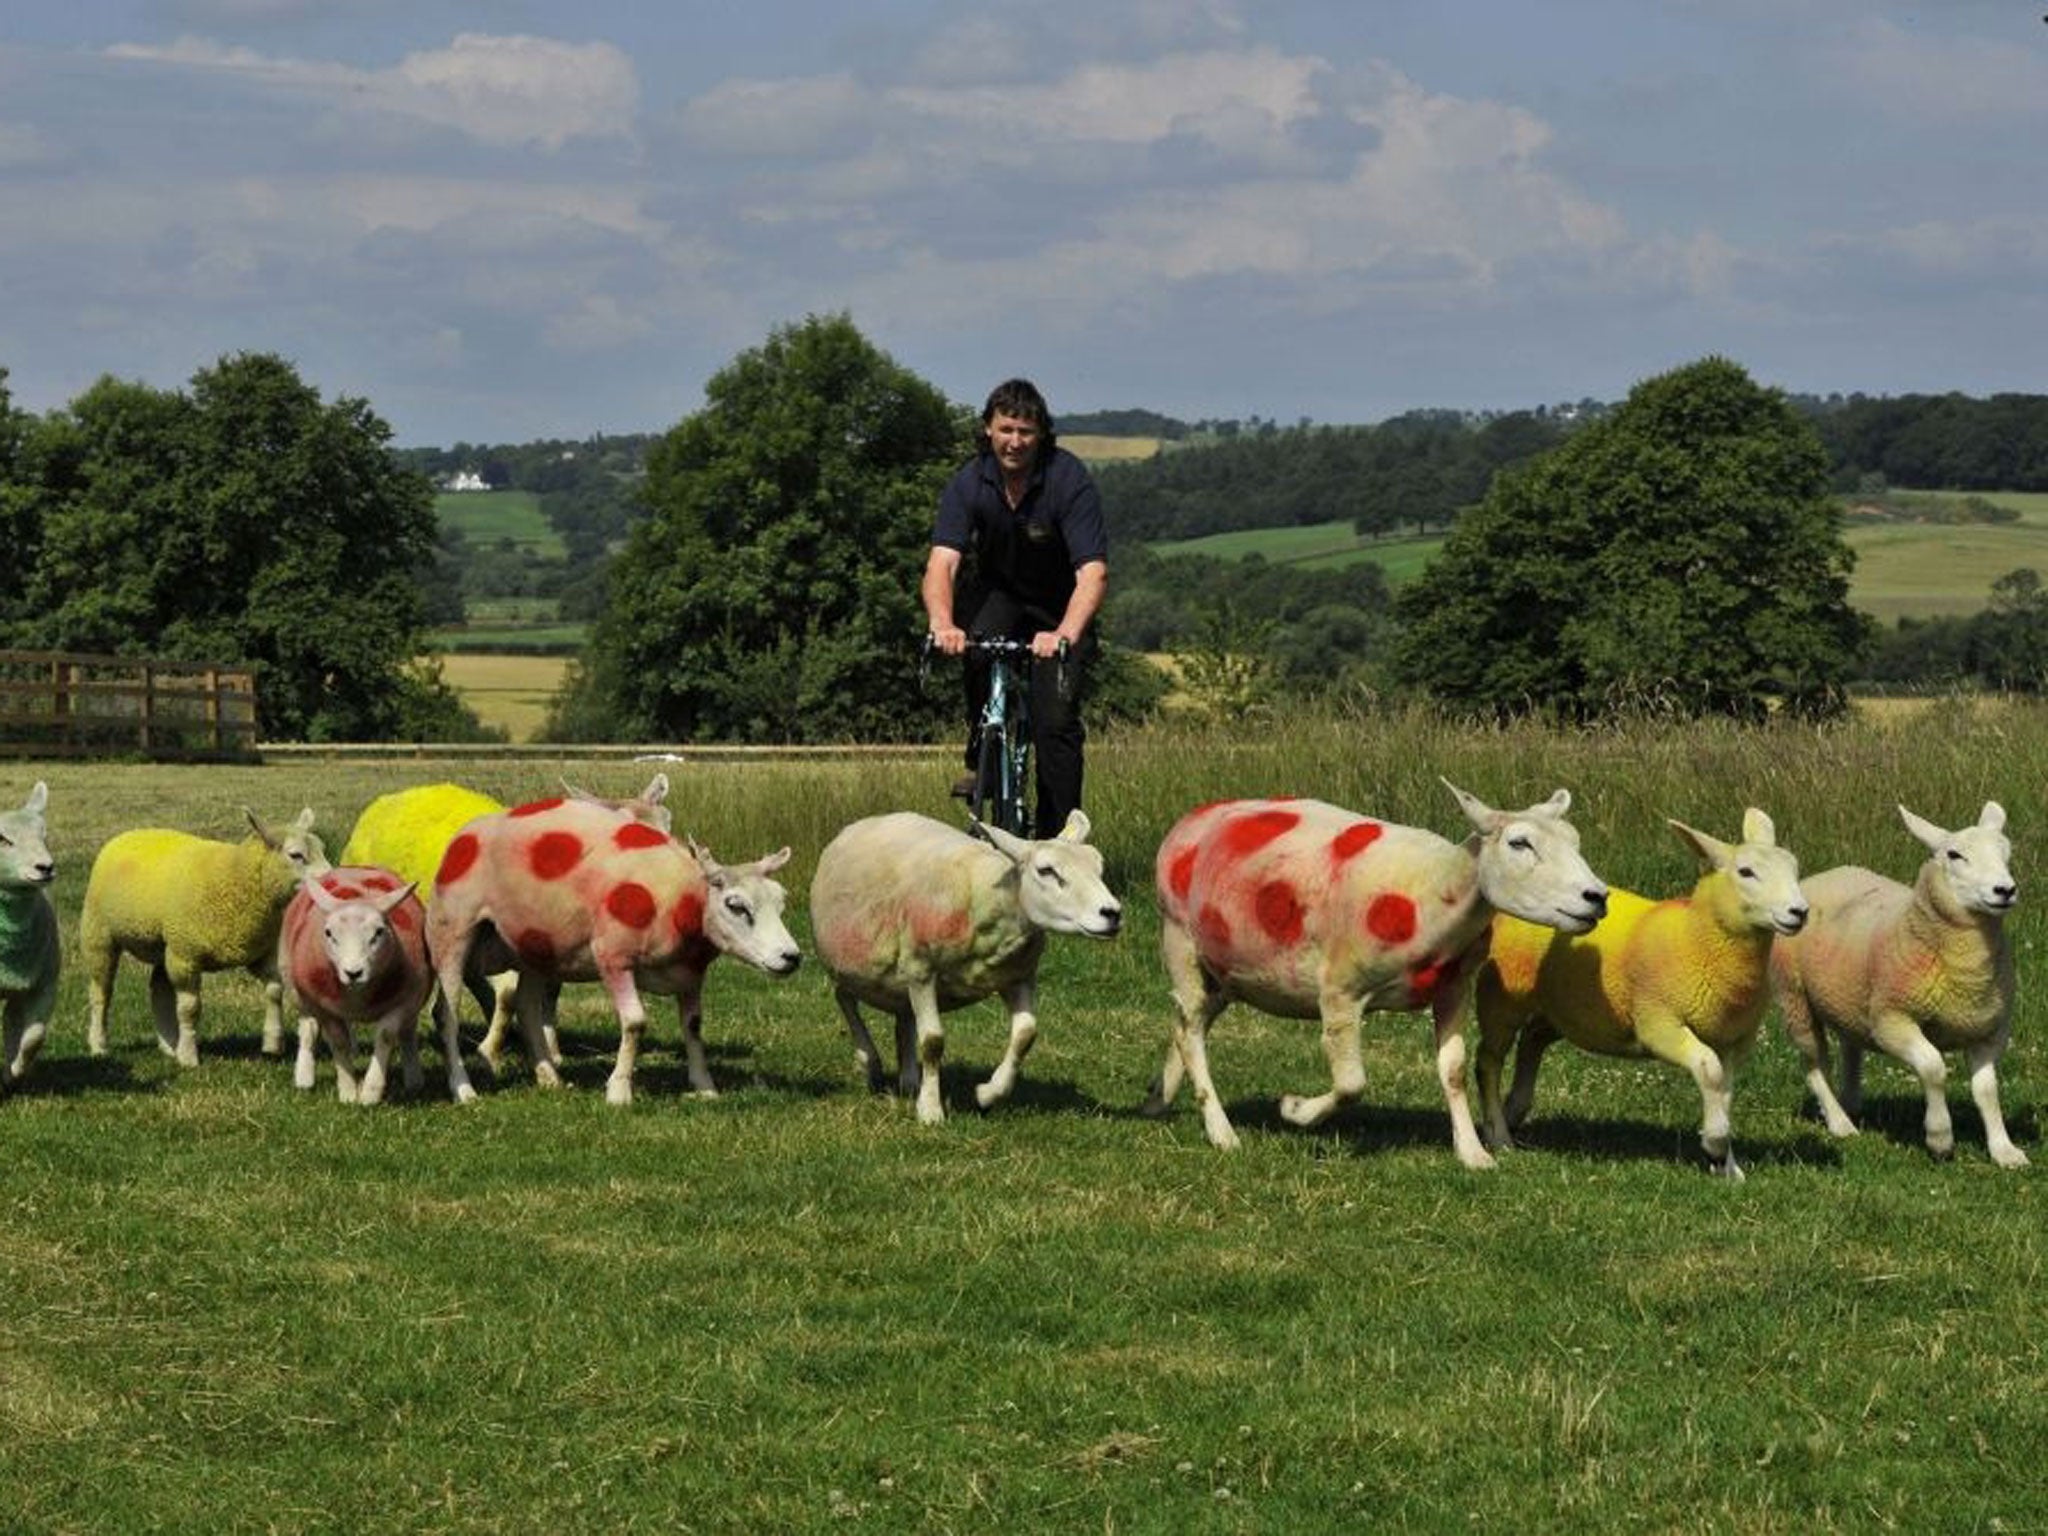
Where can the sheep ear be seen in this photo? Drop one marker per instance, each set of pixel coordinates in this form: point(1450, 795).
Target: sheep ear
point(1710, 851)
point(1011, 847)
point(656, 790)
point(317, 893)
point(1556, 805)
point(270, 839)
point(713, 870)
point(1929, 834)
point(390, 901)
point(305, 820)
point(773, 862)
point(1992, 819)
point(1477, 811)
point(1076, 829)
point(1759, 829)
point(38, 797)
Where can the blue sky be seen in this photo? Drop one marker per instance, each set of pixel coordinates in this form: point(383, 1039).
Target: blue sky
point(511, 219)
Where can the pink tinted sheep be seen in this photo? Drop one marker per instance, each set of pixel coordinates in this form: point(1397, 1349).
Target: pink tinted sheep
point(1912, 970)
point(561, 890)
point(1310, 911)
point(30, 954)
point(916, 918)
point(1684, 980)
point(353, 950)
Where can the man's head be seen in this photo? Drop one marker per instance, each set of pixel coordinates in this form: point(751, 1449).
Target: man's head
point(1015, 420)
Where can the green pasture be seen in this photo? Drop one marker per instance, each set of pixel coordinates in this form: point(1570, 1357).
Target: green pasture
point(234, 1307)
point(486, 517)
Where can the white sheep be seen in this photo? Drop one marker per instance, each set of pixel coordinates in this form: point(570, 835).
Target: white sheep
point(353, 950)
point(30, 955)
point(916, 918)
point(1912, 970)
point(1310, 911)
point(186, 905)
point(563, 891)
point(1684, 980)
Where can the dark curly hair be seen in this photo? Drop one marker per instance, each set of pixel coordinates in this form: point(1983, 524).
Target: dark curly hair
point(1019, 398)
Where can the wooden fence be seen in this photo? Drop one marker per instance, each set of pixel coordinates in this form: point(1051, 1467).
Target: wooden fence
point(61, 704)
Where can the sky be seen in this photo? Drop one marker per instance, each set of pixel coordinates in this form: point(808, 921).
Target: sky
point(514, 219)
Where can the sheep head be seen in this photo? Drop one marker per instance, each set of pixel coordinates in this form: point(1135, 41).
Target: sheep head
point(1529, 863)
point(1059, 879)
point(1971, 869)
point(1753, 884)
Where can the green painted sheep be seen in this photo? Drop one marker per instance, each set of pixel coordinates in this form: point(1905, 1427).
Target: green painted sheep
point(29, 952)
point(186, 905)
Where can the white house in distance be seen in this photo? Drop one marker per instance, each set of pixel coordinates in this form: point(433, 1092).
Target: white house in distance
point(464, 480)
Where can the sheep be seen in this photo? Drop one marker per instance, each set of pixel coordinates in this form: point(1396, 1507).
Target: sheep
point(566, 891)
point(187, 905)
point(915, 917)
point(409, 830)
point(1683, 980)
point(1914, 971)
point(1310, 911)
point(353, 950)
point(30, 955)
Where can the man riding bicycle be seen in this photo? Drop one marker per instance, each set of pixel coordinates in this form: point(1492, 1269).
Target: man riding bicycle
point(1029, 511)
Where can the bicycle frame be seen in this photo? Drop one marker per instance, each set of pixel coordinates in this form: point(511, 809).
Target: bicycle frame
point(1003, 786)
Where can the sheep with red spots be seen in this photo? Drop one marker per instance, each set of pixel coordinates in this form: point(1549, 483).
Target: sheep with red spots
point(1305, 910)
point(353, 950)
point(917, 918)
point(562, 890)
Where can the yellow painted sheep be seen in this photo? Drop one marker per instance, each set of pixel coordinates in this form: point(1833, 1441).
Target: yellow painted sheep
point(1683, 980)
point(186, 905)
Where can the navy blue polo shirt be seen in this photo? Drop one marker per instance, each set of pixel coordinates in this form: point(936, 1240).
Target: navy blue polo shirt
point(1029, 553)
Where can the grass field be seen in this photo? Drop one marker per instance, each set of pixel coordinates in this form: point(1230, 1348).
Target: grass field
point(485, 517)
point(508, 691)
point(232, 1307)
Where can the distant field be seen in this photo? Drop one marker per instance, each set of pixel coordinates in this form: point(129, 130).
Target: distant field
point(1102, 450)
point(485, 517)
point(508, 691)
point(1316, 546)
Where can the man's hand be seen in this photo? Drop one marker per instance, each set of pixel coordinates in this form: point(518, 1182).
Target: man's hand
point(1047, 643)
point(950, 640)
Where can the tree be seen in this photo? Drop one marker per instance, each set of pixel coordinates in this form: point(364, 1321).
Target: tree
point(1681, 549)
point(242, 520)
point(771, 593)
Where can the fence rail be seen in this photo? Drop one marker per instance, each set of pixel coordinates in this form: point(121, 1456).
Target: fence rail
point(69, 704)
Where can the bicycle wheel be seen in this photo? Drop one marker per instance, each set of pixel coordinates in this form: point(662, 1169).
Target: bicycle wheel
point(986, 803)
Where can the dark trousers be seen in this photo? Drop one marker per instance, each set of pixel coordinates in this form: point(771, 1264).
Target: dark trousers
point(1056, 733)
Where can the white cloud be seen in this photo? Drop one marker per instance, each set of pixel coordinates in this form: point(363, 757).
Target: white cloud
point(498, 91)
point(1920, 75)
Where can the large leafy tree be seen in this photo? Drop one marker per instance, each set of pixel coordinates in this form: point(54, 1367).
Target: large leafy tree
point(771, 594)
point(244, 519)
point(1682, 551)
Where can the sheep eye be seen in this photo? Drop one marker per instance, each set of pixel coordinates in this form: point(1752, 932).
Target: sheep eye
point(737, 906)
point(1047, 872)
point(1521, 844)
point(1955, 855)
point(1746, 871)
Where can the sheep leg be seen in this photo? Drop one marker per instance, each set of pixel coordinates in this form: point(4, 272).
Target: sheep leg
point(409, 1038)
point(1983, 1058)
point(496, 998)
point(1810, 1036)
point(378, 1073)
point(1347, 1071)
point(1197, 1000)
point(1499, 1023)
point(23, 1038)
point(341, 1045)
point(303, 1070)
point(1445, 1010)
point(866, 1059)
point(1017, 997)
point(909, 1075)
point(99, 987)
point(931, 1051)
point(273, 1007)
point(182, 990)
point(163, 1010)
point(690, 1009)
point(529, 1003)
point(618, 1088)
point(1538, 1036)
point(1851, 1098)
point(1898, 1036)
point(1670, 1041)
point(459, 1085)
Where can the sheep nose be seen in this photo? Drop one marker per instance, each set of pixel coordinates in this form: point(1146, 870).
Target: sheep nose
point(2006, 893)
point(351, 975)
point(1596, 898)
point(1112, 918)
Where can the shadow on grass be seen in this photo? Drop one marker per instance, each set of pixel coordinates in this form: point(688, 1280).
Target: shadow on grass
point(659, 1072)
point(75, 1077)
point(1604, 1139)
point(1901, 1119)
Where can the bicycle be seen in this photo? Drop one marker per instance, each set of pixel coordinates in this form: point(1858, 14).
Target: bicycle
point(1001, 795)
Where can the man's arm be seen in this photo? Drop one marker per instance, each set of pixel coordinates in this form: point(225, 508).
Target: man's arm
point(940, 569)
point(1091, 581)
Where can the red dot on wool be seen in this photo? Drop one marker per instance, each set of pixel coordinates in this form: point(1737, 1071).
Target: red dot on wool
point(638, 834)
point(1247, 834)
point(1180, 874)
point(401, 918)
point(1278, 910)
point(1355, 839)
point(631, 903)
point(326, 983)
point(1215, 927)
point(456, 862)
point(1423, 979)
point(1391, 919)
point(381, 883)
point(554, 854)
point(342, 892)
point(534, 945)
point(688, 916)
point(535, 808)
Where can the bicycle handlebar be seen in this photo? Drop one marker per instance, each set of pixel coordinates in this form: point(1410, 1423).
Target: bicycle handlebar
point(997, 646)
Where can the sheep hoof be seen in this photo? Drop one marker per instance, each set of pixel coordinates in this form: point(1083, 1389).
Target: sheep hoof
point(987, 1095)
point(2009, 1157)
point(1942, 1152)
point(617, 1093)
point(706, 1092)
point(465, 1094)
